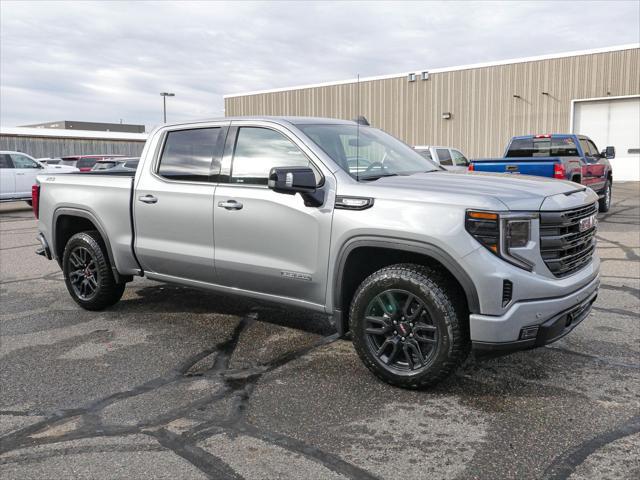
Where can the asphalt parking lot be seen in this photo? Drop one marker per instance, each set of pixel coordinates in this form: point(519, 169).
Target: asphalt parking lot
point(177, 383)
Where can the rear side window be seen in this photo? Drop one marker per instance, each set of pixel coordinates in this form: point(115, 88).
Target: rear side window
point(542, 147)
point(425, 153)
point(132, 164)
point(258, 150)
point(192, 155)
point(5, 161)
point(444, 156)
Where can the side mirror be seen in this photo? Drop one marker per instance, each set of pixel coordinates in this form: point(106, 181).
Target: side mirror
point(609, 152)
point(292, 180)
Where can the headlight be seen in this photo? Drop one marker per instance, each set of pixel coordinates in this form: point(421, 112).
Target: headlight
point(502, 233)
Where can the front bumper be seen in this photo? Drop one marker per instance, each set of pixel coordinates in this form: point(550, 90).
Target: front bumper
point(553, 317)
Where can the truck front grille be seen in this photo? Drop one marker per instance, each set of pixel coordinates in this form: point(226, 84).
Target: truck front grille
point(564, 248)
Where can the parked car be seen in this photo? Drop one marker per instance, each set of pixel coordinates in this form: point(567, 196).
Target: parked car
point(49, 161)
point(420, 264)
point(117, 164)
point(85, 163)
point(18, 172)
point(563, 156)
point(449, 158)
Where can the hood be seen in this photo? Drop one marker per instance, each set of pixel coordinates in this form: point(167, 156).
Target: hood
point(516, 192)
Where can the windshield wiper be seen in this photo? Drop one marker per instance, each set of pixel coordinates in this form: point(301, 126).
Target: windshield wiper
point(376, 177)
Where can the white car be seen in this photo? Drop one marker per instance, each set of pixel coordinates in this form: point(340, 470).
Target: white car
point(18, 172)
point(449, 158)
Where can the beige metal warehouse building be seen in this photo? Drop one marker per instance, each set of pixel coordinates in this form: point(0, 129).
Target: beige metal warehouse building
point(595, 92)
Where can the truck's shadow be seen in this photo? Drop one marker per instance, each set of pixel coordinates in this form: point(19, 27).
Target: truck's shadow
point(177, 299)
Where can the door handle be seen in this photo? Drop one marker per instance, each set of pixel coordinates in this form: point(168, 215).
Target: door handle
point(230, 205)
point(148, 199)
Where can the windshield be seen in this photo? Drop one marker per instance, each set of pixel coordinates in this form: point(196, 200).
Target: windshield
point(368, 154)
point(542, 147)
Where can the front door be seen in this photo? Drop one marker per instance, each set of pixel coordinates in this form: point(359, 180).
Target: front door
point(173, 204)
point(265, 241)
point(25, 170)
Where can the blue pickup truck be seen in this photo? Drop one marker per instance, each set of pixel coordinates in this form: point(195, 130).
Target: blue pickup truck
point(564, 156)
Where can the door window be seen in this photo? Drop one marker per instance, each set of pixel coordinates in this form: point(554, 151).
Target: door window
point(22, 161)
point(192, 155)
point(586, 147)
point(459, 159)
point(594, 149)
point(5, 161)
point(258, 150)
point(444, 156)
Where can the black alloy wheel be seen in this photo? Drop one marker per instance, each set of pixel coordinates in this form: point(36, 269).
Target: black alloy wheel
point(84, 276)
point(400, 331)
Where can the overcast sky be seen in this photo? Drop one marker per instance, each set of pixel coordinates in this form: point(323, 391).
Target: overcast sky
point(106, 61)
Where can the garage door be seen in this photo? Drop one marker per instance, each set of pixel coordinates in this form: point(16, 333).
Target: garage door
point(613, 122)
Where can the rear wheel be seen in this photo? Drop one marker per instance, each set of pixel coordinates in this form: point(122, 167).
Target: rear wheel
point(408, 326)
point(87, 272)
point(604, 203)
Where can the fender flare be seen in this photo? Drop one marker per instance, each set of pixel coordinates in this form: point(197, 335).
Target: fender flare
point(86, 214)
point(393, 243)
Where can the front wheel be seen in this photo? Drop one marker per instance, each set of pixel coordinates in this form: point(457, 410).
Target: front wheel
point(408, 325)
point(604, 204)
point(87, 272)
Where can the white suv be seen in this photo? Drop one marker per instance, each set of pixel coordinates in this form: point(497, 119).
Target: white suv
point(449, 158)
point(18, 172)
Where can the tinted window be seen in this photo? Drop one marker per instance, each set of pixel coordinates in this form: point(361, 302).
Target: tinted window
point(132, 164)
point(86, 163)
point(20, 161)
point(594, 149)
point(104, 165)
point(444, 156)
point(5, 161)
point(425, 153)
point(258, 150)
point(542, 147)
point(191, 155)
point(459, 159)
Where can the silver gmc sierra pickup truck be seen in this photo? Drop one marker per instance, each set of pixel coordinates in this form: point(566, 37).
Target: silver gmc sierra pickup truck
point(420, 264)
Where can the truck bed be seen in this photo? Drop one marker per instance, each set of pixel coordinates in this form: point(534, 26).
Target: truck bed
point(540, 166)
point(107, 199)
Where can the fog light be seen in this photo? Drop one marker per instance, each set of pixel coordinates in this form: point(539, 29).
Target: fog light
point(529, 332)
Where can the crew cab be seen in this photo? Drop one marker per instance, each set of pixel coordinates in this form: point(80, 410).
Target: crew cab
point(561, 156)
point(448, 158)
point(419, 263)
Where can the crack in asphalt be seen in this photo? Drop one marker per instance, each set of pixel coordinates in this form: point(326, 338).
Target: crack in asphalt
point(628, 251)
point(564, 465)
point(237, 384)
point(591, 356)
point(624, 288)
point(617, 311)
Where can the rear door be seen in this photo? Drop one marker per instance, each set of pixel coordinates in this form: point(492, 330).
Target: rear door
point(26, 170)
point(7, 177)
point(173, 203)
point(265, 241)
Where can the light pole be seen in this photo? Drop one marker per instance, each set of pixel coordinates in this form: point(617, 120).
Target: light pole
point(164, 96)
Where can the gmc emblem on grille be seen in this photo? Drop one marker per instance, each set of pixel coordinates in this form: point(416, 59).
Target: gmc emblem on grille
point(587, 223)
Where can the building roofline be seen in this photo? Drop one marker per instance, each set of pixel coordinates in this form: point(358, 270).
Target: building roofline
point(58, 132)
point(616, 48)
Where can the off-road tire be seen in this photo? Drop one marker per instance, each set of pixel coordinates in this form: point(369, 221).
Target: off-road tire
point(604, 204)
point(108, 291)
point(440, 296)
